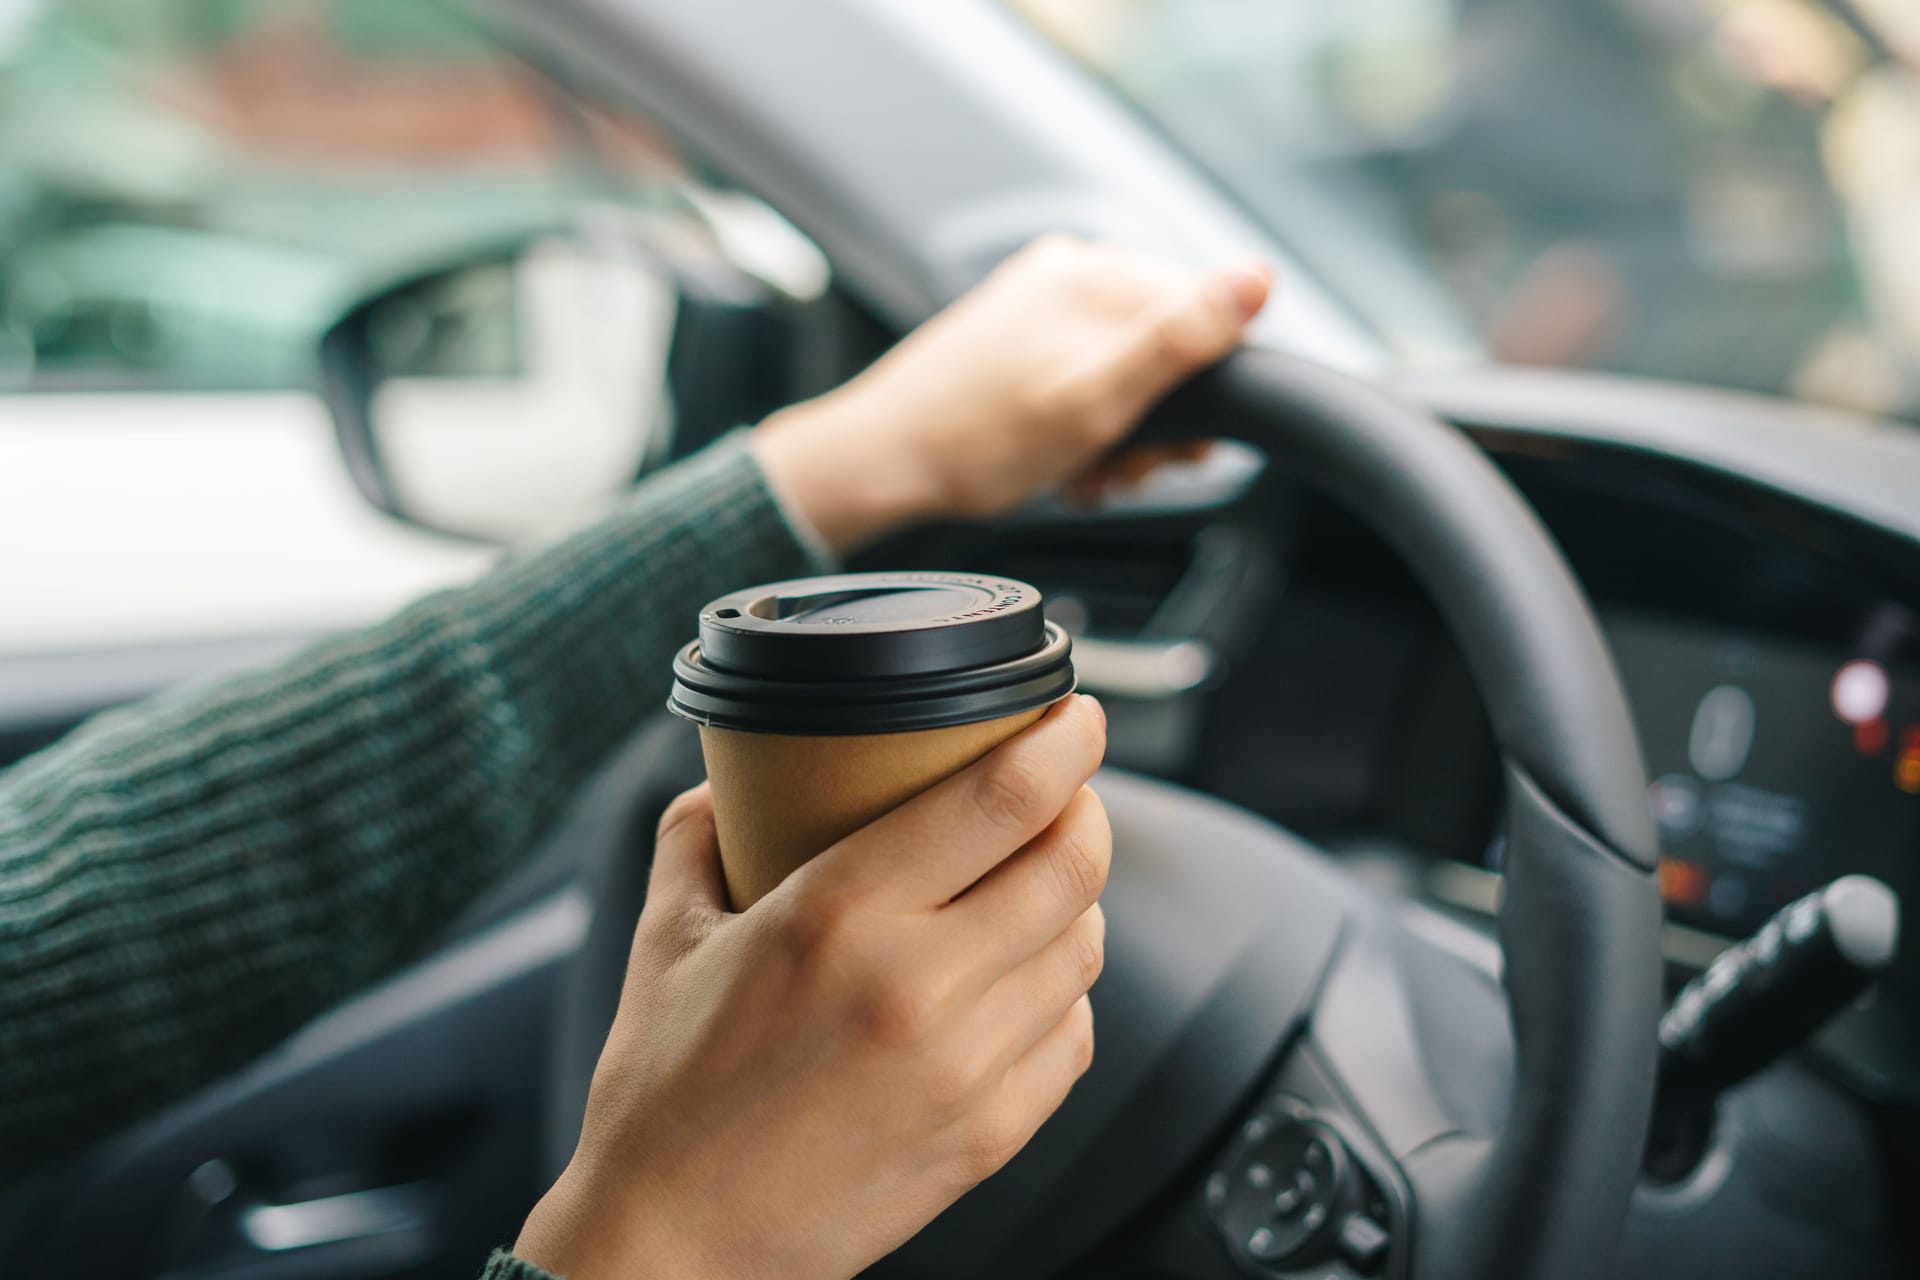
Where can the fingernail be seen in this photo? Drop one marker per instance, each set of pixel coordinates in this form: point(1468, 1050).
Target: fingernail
point(1246, 287)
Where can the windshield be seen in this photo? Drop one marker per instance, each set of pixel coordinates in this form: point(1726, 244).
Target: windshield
point(1725, 191)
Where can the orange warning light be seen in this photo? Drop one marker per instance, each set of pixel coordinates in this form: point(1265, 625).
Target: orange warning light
point(1682, 883)
point(1906, 766)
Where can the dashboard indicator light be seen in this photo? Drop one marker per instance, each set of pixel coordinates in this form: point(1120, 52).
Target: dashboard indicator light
point(1684, 884)
point(1722, 733)
point(1906, 767)
point(1860, 692)
point(1678, 805)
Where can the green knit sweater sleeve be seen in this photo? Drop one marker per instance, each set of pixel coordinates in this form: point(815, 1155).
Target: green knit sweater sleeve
point(186, 881)
point(504, 1266)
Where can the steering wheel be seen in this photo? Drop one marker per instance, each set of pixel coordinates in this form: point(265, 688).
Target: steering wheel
point(1292, 1079)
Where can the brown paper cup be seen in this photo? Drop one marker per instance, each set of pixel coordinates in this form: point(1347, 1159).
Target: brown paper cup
point(780, 799)
point(823, 703)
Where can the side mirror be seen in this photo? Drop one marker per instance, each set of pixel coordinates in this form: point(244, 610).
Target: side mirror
point(519, 391)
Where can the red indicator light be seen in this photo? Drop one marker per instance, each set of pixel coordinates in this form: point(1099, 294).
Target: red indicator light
point(1684, 884)
point(1870, 737)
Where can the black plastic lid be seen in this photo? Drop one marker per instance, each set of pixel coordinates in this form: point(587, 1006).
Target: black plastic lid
point(871, 653)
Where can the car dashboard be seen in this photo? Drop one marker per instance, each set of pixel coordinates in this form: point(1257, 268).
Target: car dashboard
point(1768, 637)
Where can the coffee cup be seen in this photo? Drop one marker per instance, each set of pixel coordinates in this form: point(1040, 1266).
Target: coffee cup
point(823, 703)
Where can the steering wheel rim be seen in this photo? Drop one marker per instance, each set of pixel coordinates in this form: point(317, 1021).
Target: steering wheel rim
point(1521, 620)
point(1545, 1198)
point(1579, 923)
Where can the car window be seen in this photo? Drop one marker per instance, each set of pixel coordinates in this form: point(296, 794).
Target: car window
point(1717, 190)
point(191, 191)
point(193, 188)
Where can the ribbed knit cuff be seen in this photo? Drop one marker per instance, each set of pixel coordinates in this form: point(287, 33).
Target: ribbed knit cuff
point(504, 1266)
point(580, 639)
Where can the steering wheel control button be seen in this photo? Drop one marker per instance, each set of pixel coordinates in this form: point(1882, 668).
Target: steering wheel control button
point(1363, 1242)
point(1290, 1199)
point(1286, 1184)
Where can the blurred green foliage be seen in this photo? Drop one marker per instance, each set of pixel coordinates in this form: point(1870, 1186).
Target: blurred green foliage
point(191, 190)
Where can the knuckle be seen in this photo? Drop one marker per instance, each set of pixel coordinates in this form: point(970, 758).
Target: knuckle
point(1089, 945)
point(1089, 733)
point(989, 1141)
point(1011, 791)
point(1185, 334)
point(1082, 1045)
point(683, 807)
point(815, 930)
point(896, 1012)
point(1090, 808)
point(1080, 858)
point(953, 1085)
point(1077, 402)
point(1101, 423)
point(1078, 871)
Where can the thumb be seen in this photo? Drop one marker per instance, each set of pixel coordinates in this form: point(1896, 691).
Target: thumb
point(1194, 327)
point(686, 856)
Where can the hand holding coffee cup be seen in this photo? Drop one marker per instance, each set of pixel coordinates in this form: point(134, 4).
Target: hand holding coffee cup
point(794, 1090)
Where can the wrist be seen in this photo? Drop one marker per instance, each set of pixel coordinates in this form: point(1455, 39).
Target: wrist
point(850, 474)
point(576, 1234)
